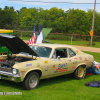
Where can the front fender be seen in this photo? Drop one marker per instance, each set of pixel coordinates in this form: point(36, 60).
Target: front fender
point(25, 73)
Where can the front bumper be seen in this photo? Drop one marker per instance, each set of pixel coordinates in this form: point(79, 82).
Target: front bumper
point(9, 76)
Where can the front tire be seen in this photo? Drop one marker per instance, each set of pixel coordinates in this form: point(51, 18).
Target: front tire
point(31, 81)
point(80, 72)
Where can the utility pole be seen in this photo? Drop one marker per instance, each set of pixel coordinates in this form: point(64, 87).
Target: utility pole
point(93, 22)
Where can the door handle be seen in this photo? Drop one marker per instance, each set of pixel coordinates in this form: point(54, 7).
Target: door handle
point(69, 60)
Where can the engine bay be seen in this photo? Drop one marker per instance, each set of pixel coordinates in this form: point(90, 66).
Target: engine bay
point(10, 61)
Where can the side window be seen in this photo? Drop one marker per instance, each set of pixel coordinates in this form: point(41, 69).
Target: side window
point(71, 53)
point(54, 55)
point(59, 52)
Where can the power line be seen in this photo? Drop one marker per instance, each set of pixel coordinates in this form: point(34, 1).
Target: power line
point(52, 2)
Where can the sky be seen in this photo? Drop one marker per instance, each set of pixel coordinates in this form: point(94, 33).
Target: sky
point(47, 4)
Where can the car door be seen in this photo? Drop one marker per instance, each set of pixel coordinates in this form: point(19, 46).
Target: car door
point(60, 62)
point(73, 59)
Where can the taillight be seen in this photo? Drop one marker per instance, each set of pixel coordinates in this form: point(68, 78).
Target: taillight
point(2, 60)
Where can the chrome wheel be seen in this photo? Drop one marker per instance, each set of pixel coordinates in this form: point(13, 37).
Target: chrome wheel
point(33, 81)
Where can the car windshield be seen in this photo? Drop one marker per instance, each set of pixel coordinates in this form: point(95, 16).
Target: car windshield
point(41, 50)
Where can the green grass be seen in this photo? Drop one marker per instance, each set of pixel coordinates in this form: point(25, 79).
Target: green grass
point(57, 88)
point(69, 42)
point(97, 44)
point(79, 43)
point(25, 38)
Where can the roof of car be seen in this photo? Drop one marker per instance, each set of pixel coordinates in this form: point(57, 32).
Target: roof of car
point(53, 45)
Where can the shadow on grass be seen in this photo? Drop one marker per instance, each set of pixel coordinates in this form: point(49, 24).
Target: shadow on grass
point(55, 80)
point(44, 82)
point(60, 79)
point(12, 84)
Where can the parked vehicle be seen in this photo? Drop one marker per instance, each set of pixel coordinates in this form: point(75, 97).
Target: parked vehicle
point(4, 50)
point(30, 63)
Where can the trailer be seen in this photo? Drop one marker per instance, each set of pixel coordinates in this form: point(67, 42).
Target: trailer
point(4, 50)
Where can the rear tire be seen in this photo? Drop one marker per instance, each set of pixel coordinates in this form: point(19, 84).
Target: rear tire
point(31, 81)
point(80, 72)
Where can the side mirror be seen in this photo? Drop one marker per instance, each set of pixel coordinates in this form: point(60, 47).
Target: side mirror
point(58, 57)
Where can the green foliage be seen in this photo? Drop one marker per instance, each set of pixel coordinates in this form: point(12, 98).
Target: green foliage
point(24, 34)
point(63, 37)
point(58, 37)
point(71, 21)
point(7, 17)
point(77, 22)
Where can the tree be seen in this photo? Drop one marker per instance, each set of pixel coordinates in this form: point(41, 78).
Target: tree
point(7, 17)
point(77, 22)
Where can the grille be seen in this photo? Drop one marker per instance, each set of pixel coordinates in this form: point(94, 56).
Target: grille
point(6, 69)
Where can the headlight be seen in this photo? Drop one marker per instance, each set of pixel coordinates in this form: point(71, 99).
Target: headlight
point(15, 71)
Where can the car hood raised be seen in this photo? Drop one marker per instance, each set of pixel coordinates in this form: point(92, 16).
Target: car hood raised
point(15, 44)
